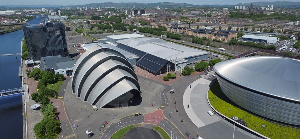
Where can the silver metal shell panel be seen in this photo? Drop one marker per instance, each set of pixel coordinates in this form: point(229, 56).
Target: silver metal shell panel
point(119, 89)
point(276, 76)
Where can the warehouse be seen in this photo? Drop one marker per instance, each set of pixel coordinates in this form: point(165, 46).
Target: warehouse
point(260, 39)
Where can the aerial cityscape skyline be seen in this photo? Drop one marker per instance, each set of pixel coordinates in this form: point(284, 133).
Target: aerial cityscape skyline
point(79, 2)
point(159, 70)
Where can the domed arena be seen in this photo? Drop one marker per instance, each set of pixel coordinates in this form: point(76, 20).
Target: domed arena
point(264, 85)
point(103, 77)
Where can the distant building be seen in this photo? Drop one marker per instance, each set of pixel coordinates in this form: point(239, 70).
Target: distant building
point(142, 12)
point(58, 64)
point(7, 12)
point(138, 12)
point(46, 40)
point(260, 39)
point(225, 10)
point(135, 12)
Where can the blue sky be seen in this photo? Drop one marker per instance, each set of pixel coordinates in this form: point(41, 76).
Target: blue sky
point(79, 2)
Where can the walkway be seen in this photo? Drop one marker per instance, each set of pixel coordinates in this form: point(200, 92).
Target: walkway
point(155, 117)
point(195, 103)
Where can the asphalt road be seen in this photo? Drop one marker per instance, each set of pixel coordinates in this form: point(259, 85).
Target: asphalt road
point(141, 133)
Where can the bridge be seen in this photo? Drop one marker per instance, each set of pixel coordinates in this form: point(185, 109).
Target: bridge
point(11, 92)
point(10, 54)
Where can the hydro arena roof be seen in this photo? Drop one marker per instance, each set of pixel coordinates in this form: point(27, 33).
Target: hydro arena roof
point(275, 76)
point(101, 75)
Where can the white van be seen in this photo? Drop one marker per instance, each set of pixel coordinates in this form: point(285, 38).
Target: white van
point(222, 49)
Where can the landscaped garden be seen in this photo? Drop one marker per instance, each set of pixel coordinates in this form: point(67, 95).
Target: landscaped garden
point(267, 128)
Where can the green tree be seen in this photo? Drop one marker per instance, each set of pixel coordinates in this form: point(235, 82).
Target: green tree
point(237, 29)
point(35, 97)
point(59, 77)
point(36, 74)
point(48, 77)
point(25, 55)
point(265, 30)
point(187, 71)
point(39, 130)
point(201, 66)
point(214, 61)
point(246, 28)
point(220, 28)
point(208, 43)
point(240, 34)
point(44, 99)
point(297, 44)
point(229, 28)
point(143, 23)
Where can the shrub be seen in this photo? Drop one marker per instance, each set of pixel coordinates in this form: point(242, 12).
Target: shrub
point(187, 71)
point(165, 78)
point(35, 97)
point(173, 76)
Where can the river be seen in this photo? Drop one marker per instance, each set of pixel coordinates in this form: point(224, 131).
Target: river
point(11, 121)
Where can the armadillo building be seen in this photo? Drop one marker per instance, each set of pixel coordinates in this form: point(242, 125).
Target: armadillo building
point(103, 77)
point(266, 86)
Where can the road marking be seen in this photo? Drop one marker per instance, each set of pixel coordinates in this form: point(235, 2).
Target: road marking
point(70, 136)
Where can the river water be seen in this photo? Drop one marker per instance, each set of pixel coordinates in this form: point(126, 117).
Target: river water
point(11, 121)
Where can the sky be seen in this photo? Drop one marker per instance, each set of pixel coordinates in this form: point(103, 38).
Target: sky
point(81, 2)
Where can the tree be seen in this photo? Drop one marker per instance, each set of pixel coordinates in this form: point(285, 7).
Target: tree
point(265, 30)
point(214, 61)
point(208, 43)
point(59, 77)
point(35, 97)
point(201, 66)
point(271, 30)
point(25, 55)
point(246, 28)
point(48, 110)
point(237, 29)
point(48, 77)
point(186, 71)
point(297, 44)
point(36, 74)
point(240, 34)
point(44, 99)
point(39, 130)
point(220, 28)
point(229, 28)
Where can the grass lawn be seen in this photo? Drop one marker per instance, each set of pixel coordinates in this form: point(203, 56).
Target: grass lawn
point(161, 132)
point(121, 133)
point(55, 86)
point(272, 130)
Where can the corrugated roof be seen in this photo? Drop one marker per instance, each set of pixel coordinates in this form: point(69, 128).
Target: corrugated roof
point(162, 49)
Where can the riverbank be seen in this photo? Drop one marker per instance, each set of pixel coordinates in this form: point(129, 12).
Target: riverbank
point(10, 28)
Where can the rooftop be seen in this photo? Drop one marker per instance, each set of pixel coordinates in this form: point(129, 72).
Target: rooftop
point(275, 76)
point(160, 48)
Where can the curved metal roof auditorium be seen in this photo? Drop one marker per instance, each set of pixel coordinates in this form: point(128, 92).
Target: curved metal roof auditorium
point(101, 75)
